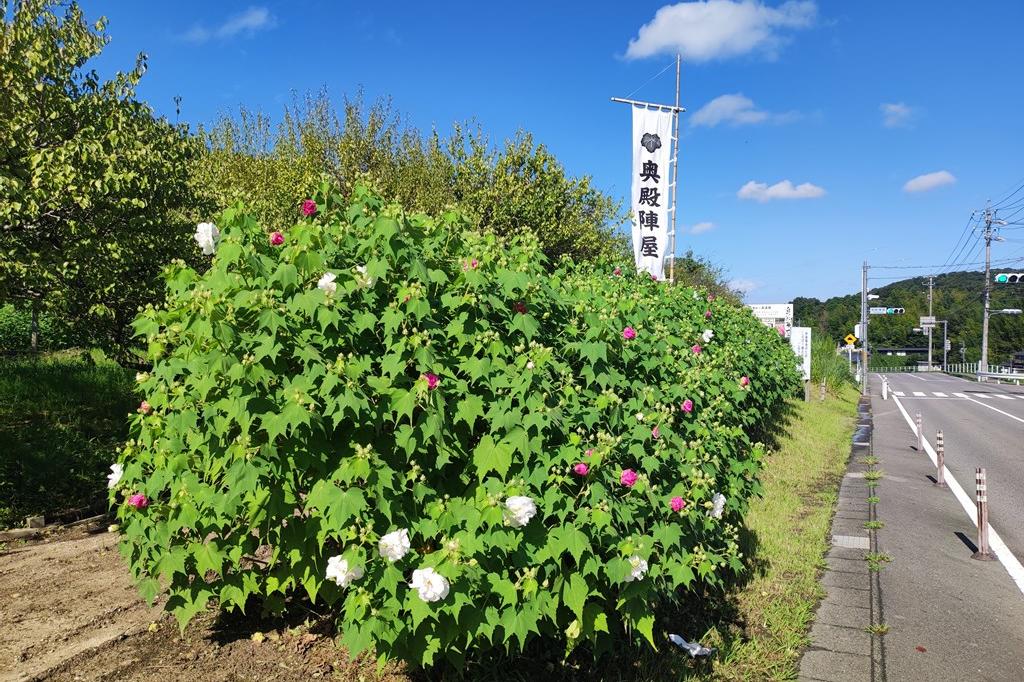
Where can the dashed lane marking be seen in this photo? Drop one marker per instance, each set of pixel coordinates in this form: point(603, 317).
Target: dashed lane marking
point(919, 394)
point(939, 394)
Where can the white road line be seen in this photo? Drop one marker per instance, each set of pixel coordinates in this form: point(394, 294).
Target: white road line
point(939, 394)
point(982, 395)
point(960, 395)
point(1003, 396)
point(918, 394)
point(1002, 552)
point(898, 393)
point(996, 409)
point(918, 378)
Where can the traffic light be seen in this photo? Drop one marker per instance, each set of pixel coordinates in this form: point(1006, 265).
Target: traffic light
point(894, 311)
point(1009, 277)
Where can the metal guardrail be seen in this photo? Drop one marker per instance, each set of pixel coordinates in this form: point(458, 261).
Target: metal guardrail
point(1000, 376)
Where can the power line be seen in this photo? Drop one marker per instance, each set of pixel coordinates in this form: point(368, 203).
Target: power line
point(1008, 196)
point(964, 237)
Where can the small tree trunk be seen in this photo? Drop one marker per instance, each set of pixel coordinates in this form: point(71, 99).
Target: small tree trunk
point(35, 329)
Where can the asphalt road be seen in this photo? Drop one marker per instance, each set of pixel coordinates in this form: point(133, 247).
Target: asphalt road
point(983, 425)
point(949, 616)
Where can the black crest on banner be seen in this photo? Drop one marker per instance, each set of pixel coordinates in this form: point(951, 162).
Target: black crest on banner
point(651, 142)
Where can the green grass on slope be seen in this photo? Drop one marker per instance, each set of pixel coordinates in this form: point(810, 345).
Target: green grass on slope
point(61, 419)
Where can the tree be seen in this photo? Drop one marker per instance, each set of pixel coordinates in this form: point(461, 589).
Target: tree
point(94, 189)
point(517, 187)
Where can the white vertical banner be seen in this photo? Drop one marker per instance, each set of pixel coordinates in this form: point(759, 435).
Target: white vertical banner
point(652, 140)
point(800, 342)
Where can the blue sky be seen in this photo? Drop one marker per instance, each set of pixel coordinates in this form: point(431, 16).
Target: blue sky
point(823, 111)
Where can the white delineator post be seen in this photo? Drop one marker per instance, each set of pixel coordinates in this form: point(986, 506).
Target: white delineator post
point(983, 553)
point(885, 388)
point(940, 454)
point(920, 434)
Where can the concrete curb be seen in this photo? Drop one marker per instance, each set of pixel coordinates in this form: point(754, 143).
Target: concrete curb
point(842, 649)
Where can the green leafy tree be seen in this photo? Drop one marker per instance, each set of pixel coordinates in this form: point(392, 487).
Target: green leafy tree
point(519, 187)
point(93, 187)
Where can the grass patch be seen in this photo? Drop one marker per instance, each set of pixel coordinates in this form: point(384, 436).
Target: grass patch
point(870, 461)
point(874, 499)
point(873, 475)
point(874, 525)
point(61, 419)
point(878, 629)
point(876, 560)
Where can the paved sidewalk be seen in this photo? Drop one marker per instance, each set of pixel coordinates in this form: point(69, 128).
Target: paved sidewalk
point(842, 648)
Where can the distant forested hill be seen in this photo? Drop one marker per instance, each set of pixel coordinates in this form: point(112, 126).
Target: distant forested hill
point(957, 298)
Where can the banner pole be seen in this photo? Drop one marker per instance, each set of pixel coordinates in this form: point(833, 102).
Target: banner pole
point(675, 175)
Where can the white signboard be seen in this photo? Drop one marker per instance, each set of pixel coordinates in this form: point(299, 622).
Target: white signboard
point(777, 315)
point(652, 140)
point(927, 320)
point(800, 342)
point(874, 310)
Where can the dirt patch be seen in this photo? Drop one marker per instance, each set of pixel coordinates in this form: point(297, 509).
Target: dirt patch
point(61, 598)
point(69, 612)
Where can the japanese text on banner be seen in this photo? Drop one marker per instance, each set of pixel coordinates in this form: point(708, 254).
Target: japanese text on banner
point(652, 140)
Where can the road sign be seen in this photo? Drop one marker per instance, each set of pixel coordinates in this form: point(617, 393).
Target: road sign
point(850, 339)
point(877, 310)
point(925, 319)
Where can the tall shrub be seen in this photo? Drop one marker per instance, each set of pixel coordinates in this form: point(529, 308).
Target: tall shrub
point(430, 431)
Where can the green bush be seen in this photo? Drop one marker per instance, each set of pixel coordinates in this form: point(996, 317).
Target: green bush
point(292, 434)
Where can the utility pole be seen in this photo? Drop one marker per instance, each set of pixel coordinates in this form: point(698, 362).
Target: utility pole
point(931, 283)
point(864, 329)
point(983, 364)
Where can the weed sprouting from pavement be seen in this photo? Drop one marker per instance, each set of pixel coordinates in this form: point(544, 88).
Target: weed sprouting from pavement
point(876, 560)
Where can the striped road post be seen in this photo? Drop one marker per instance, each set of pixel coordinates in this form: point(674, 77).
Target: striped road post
point(920, 434)
point(940, 452)
point(983, 553)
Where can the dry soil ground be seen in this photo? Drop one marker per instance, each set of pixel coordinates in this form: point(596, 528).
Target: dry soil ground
point(68, 612)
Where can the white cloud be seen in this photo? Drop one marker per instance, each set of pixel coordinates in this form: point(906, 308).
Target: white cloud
point(761, 191)
point(718, 29)
point(736, 110)
point(896, 114)
point(743, 286)
point(248, 23)
point(923, 183)
point(701, 228)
